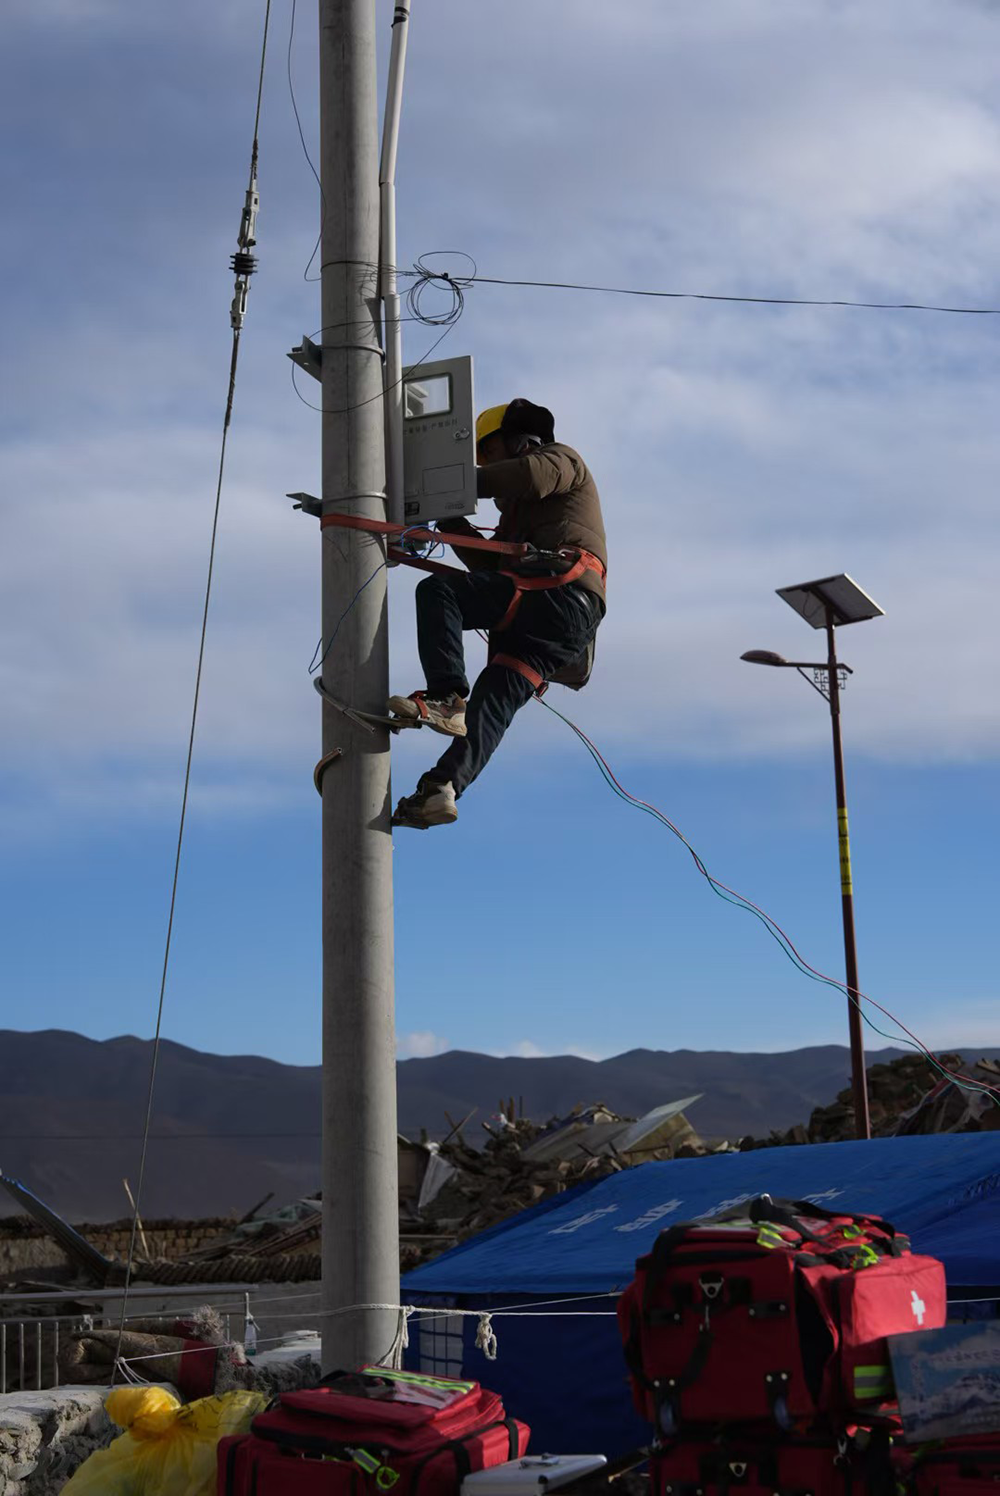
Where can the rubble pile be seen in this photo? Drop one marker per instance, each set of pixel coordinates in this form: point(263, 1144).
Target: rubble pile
point(497, 1180)
point(232, 1267)
point(894, 1090)
point(451, 1190)
point(906, 1096)
point(448, 1191)
point(282, 1247)
point(46, 1436)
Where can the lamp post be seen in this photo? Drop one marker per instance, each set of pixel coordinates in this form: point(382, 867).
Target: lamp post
point(828, 604)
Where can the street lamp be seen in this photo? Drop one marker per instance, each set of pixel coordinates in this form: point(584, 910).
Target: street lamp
point(829, 604)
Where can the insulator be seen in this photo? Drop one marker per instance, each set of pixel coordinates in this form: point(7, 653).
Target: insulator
point(243, 263)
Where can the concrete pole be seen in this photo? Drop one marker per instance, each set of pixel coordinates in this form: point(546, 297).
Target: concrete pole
point(360, 1209)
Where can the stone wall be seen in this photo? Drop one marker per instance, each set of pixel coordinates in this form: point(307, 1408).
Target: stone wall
point(25, 1245)
point(45, 1436)
point(23, 1254)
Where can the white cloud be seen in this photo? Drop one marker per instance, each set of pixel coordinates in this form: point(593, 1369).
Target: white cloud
point(527, 1049)
point(420, 1045)
point(753, 146)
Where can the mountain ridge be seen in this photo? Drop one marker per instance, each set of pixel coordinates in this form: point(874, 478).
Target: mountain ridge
point(229, 1128)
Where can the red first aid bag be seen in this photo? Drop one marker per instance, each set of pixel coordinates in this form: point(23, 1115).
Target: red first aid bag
point(763, 1465)
point(370, 1432)
point(780, 1311)
point(957, 1467)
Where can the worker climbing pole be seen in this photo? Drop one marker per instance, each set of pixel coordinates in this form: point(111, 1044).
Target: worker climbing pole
point(538, 589)
point(541, 611)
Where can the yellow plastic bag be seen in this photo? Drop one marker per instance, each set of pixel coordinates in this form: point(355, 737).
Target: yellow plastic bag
point(168, 1449)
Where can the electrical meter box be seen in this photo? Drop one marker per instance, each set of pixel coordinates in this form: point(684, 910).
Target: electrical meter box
point(439, 441)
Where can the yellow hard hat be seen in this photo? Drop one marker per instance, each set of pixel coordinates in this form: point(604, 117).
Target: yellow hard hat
point(488, 422)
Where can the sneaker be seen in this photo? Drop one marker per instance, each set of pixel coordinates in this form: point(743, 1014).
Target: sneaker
point(432, 805)
point(444, 713)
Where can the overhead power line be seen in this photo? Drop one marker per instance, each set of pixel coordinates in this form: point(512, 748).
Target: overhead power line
point(731, 896)
point(244, 264)
point(153, 1137)
point(879, 306)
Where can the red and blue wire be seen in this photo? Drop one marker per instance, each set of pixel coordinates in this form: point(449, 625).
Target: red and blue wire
point(425, 549)
point(731, 896)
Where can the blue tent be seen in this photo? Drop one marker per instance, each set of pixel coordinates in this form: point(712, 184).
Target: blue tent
point(559, 1364)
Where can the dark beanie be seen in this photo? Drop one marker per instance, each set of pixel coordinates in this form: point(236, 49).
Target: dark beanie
point(523, 418)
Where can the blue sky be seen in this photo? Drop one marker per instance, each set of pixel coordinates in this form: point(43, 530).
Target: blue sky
point(753, 147)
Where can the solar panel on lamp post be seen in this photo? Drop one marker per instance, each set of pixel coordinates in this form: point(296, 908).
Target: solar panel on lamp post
point(828, 604)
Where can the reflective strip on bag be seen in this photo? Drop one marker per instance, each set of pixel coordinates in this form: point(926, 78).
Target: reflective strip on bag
point(770, 1237)
point(439, 1384)
point(872, 1381)
point(385, 1476)
point(365, 1461)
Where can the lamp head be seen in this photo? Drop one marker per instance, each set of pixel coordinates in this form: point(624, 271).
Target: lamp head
point(763, 657)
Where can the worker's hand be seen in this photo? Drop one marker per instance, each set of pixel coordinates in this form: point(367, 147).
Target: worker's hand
point(457, 524)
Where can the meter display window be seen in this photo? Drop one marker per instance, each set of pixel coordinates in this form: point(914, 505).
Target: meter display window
point(427, 397)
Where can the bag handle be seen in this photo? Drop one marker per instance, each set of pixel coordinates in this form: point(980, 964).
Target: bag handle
point(760, 1210)
point(357, 1383)
point(674, 1236)
point(785, 1213)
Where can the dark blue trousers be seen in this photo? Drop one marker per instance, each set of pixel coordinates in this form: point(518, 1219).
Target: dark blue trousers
point(550, 629)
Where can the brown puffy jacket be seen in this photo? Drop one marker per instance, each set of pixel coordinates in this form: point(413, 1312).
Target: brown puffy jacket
point(548, 498)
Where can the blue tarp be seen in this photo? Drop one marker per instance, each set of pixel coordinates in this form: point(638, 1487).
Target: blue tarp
point(565, 1376)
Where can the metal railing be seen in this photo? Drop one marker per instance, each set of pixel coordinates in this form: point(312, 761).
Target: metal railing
point(29, 1350)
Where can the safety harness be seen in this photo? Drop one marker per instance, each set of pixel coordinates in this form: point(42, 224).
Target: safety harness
point(574, 561)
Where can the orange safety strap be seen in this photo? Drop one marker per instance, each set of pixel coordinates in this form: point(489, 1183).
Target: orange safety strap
point(509, 662)
point(441, 568)
point(519, 548)
point(587, 562)
point(422, 534)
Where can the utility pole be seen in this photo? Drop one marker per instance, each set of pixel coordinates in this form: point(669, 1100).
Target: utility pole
point(859, 1085)
point(830, 603)
point(360, 1204)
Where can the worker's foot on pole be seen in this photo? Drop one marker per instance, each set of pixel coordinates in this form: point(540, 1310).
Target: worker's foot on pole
point(444, 713)
point(432, 805)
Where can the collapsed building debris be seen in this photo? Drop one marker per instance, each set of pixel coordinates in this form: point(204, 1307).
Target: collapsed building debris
point(522, 1162)
point(448, 1191)
point(46, 1436)
point(907, 1095)
point(93, 1264)
point(453, 1189)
